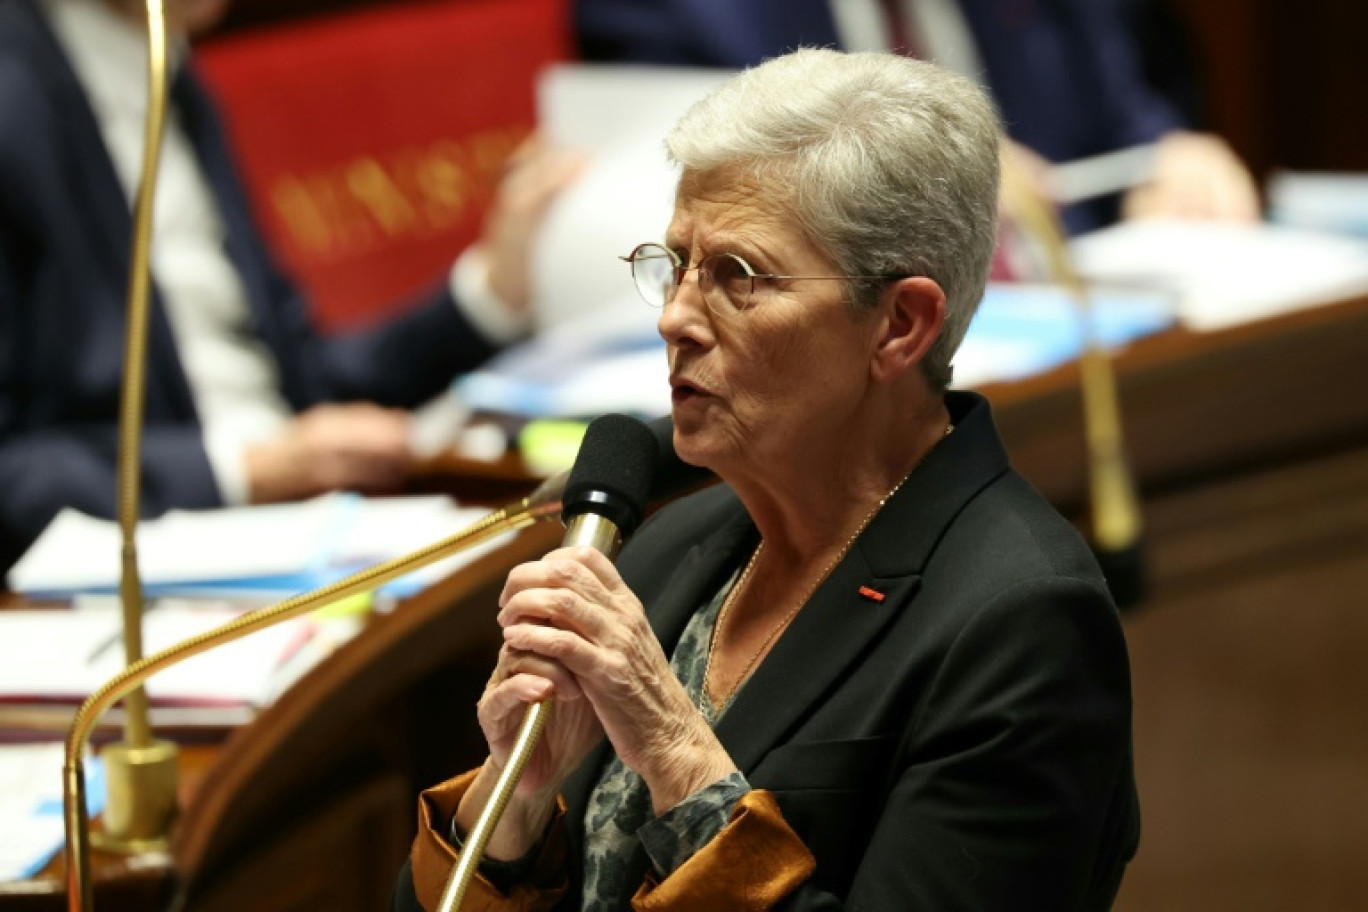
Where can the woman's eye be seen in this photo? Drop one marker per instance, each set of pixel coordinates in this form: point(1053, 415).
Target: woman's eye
point(730, 273)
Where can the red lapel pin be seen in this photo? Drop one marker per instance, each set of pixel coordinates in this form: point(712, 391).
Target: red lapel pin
point(873, 595)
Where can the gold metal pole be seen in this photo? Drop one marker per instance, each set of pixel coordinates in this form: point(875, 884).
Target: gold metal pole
point(1116, 523)
point(141, 771)
point(541, 505)
point(601, 535)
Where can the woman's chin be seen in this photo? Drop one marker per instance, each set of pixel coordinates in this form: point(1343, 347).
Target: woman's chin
point(694, 443)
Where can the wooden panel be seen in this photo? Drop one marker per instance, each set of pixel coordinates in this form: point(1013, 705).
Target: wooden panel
point(1251, 677)
point(341, 859)
point(1199, 407)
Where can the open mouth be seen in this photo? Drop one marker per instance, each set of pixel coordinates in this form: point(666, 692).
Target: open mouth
point(684, 391)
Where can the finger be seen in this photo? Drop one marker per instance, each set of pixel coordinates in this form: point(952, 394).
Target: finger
point(584, 569)
point(530, 146)
point(369, 475)
point(563, 684)
point(560, 569)
point(578, 656)
point(503, 704)
point(557, 608)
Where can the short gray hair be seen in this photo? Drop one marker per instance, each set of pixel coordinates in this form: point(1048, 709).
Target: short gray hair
point(889, 164)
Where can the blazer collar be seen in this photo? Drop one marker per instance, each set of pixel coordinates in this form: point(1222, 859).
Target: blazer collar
point(841, 620)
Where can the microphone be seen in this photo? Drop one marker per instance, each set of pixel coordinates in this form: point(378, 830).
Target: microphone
point(604, 501)
point(610, 481)
point(672, 475)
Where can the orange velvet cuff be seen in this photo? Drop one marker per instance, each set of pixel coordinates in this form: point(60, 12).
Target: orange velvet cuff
point(433, 858)
point(750, 866)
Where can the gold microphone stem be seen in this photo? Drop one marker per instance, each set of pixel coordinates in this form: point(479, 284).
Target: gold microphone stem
point(1115, 510)
point(517, 516)
point(585, 529)
point(529, 733)
point(141, 772)
point(138, 731)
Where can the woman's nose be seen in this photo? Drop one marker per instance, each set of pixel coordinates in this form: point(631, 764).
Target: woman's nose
point(685, 316)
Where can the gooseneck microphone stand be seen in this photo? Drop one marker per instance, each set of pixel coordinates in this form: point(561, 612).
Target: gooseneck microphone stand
point(1117, 527)
point(542, 504)
point(604, 501)
point(140, 771)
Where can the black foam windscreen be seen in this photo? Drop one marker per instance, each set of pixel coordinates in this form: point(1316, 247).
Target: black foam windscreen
point(612, 473)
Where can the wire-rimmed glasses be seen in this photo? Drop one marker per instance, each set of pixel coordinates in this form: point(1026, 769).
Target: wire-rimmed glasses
point(726, 281)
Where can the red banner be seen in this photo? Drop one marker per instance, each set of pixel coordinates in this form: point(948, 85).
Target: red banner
point(371, 142)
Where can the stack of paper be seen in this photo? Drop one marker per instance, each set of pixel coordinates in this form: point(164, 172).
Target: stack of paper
point(1320, 201)
point(62, 656)
point(1223, 275)
point(283, 549)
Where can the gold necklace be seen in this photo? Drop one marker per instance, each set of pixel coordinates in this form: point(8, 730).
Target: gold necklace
point(793, 612)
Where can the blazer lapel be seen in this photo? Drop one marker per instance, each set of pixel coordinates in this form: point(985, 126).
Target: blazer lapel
point(697, 577)
point(842, 618)
point(830, 633)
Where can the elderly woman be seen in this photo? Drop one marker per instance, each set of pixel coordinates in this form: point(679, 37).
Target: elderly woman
point(874, 668)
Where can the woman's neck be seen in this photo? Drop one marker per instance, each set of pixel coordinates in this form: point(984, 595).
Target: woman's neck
point(810, 500)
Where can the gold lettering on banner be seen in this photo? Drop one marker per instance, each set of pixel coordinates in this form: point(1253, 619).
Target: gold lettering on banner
point(372, 184)
point(358, 206)
point(306, 225)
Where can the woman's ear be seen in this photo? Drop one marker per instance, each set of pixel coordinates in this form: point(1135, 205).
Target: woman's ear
point(913, 314)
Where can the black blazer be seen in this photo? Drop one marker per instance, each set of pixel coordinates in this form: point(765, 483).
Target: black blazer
point(963, 744)
point(65, 231)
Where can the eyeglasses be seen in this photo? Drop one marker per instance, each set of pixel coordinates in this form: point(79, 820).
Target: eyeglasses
point(726, 281)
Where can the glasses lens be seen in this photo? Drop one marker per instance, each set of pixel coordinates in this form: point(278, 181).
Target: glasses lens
point(653, 269)
point(726, 282)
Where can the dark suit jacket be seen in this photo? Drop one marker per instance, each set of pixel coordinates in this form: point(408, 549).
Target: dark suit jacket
point(1063, 72)
point(964, 744)
point(65, 231)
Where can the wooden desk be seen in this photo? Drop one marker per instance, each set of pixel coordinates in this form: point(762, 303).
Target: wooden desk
point(1250, 660)
point(1249, 663)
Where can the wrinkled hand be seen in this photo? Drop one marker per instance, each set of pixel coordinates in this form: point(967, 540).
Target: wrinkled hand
point(1196, 176)
point(572, 611)
point(356, 447)
point(570, 733)
point(533, 176)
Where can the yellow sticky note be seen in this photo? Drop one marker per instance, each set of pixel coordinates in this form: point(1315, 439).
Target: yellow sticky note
point(548, 446)
point(352, 605)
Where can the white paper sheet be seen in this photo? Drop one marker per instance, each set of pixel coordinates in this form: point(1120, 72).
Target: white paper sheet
point(283, 548)
point(618, 116)
point(1224, 275)
point(31, 805)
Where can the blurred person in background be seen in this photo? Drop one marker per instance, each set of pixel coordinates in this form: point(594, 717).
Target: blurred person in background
point(246, 402)
point(1064, 75)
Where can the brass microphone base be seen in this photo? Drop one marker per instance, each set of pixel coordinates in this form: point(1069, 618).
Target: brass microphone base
point(141, 802)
